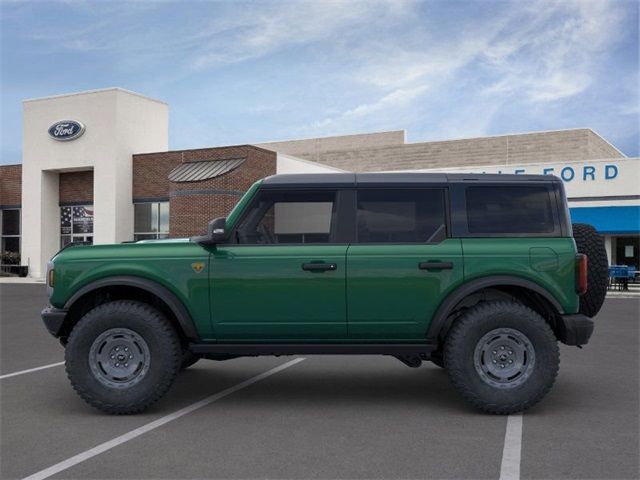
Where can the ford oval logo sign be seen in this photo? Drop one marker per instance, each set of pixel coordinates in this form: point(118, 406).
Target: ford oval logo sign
point(66, 130)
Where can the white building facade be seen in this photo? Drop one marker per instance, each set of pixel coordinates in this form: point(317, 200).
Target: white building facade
point(118, 124)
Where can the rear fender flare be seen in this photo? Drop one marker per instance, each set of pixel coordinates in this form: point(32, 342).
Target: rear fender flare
point(446, 307)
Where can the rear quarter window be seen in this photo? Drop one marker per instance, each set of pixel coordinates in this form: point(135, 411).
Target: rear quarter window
point(509, 210)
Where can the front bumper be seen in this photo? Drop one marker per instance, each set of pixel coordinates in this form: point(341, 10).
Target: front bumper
point(53, 319)
point(575, 329)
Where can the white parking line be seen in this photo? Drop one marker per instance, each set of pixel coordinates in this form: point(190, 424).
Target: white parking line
point(103, 447)
point(22, 372)
point(511, 452)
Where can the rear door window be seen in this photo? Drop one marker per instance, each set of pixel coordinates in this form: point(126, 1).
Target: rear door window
point(401, 215)
point(509, 210)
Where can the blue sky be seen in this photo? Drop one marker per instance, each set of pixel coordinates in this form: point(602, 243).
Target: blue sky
point(243, 72)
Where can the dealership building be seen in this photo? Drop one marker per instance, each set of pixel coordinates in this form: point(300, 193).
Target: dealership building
point(96, 167)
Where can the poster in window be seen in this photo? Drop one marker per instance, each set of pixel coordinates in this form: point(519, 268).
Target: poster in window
point(65, 221)
point(82, 220)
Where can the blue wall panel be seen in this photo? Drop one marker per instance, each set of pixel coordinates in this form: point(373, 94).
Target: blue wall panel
point(624, 219)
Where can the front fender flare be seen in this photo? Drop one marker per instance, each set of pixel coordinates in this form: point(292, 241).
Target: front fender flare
point(173, 302)
point(446, 307)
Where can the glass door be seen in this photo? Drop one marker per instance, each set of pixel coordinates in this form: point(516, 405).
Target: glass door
point(76, 224)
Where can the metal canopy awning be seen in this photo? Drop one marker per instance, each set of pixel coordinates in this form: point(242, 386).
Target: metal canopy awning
point(196, 171)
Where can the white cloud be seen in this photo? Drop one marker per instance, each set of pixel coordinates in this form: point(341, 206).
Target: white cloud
point(535, 52)
point(555, 60)
point(378, 64)
point(267, 28)
point(396, 99)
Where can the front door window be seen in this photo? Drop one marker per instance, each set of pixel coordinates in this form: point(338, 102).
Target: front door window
point(289, 218)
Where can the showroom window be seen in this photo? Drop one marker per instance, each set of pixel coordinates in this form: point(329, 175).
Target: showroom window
point(151, 221)
point(76, 224)
point(10, 240)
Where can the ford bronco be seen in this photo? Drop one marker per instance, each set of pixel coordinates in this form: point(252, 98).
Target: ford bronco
point(480, 274)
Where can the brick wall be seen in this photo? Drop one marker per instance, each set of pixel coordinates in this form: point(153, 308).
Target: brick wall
point(10, 185)
point(76, 187)
point(194, 204)
point(150, 172)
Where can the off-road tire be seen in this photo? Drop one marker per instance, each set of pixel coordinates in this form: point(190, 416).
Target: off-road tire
point(188, 358)
point(469, 330)
point(165, 356)
point(589, 242)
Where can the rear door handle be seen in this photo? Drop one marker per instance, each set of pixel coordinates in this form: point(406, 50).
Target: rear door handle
point(319, 267)
point(435, 265)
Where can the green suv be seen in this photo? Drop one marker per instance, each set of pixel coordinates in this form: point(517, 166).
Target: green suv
point(480, 274)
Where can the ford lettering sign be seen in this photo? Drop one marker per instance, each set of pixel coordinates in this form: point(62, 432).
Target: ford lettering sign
point(66, 130)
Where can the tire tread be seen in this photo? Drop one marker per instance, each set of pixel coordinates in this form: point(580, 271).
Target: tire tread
point(456, 343)
point(162, 327)
point(589, 242)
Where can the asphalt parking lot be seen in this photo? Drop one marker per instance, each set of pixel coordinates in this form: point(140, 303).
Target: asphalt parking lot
point(321, 417)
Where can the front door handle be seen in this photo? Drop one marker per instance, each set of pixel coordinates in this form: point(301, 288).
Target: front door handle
point(319, 267)
point(435, 265)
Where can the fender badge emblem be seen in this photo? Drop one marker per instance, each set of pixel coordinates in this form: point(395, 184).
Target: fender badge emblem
point(197, 266)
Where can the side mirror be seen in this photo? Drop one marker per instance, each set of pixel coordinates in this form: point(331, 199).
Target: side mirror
point(216, 232)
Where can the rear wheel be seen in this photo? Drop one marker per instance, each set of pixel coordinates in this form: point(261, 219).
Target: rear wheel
point(122, 356)
point(502, 357)
point(589, 242)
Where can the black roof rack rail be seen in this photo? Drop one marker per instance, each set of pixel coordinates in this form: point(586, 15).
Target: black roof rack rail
point(406, 178)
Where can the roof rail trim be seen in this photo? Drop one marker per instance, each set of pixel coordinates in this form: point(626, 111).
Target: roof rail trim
point(399, 178)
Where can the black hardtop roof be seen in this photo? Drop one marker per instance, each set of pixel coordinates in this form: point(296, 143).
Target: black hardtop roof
point(396, 178)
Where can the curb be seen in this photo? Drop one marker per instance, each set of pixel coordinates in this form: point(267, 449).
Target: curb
point(19, 280)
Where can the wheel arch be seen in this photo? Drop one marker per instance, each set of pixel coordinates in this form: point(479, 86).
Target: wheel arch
point(136, 288)
point(531, 293)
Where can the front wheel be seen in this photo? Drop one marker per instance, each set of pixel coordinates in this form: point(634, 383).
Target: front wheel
point(502, 357)
point(122, 356)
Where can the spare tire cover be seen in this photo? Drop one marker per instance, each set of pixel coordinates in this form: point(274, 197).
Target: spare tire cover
point(589, 242)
